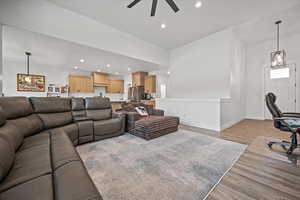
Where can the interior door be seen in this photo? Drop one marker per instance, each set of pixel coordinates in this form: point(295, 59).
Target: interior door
point(281, 82)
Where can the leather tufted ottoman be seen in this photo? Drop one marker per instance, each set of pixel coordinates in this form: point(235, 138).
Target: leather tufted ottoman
point(155, 126)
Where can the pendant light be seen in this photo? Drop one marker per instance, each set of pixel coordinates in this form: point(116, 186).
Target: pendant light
point(28, 78)
point(278, 57)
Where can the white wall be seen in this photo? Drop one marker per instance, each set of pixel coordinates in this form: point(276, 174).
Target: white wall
point(233, 108)
point(201, 69)
point(206, 85)
point(258, 57)
point(203, 113)
point(44, 17)
point(1, 58)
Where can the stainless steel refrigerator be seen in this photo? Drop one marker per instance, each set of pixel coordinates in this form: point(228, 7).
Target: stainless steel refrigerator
point(136, 93)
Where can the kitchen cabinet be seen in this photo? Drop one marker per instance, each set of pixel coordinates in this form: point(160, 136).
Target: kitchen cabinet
point(150, 84)
point(101, 79)
point(115, 86)
point(138, 78)
point(80, 84)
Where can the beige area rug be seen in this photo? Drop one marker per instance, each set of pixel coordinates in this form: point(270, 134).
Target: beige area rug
point(180, 166)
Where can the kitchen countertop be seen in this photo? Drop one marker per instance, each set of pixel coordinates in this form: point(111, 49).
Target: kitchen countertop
point(118, 101)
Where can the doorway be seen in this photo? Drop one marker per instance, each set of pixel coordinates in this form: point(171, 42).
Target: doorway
point(281, 82)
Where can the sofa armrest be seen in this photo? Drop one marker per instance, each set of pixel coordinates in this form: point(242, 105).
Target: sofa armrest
point(131, 118)
point(158, 112)
point(118, 115)
point(121, 116)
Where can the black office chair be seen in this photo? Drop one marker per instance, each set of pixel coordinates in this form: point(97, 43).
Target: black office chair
point(289, 122)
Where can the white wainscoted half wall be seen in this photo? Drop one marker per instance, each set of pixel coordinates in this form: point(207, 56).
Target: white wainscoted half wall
point(203, 113)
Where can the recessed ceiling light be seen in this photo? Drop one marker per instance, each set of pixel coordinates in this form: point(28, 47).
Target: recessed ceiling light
point(169, 72)
point(163, 26)
point(108, 65)
point(75, 67)
point(129, 69)
point(98, 70)
point(198, 4)
point(81, 60)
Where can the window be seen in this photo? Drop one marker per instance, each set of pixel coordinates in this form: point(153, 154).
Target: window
point(280, 73)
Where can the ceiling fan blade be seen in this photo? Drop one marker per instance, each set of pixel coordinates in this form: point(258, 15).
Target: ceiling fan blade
point(154, 6)
point(133, 3)
point(173, 5)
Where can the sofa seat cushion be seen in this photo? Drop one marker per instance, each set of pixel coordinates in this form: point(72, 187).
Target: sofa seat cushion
point(36, 189)
point(40, 139)
point(109, 126)
point(72, 182)
point(53, 120)
point(62, 149)
point(71, 130)
point(29, 163)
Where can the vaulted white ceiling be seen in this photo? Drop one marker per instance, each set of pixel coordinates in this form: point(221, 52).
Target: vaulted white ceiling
point(53, 52)
point(187, 25)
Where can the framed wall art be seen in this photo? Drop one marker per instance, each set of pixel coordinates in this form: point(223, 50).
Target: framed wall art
point(30, 83)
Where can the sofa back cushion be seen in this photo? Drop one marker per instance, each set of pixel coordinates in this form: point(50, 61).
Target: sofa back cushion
point(97, 115)
point(7, 155)
point(78, 108)
point(16, 107)
point(19, 112)
point(98, 108)
point(130, 107)
point(7, 146)
point(97, 103)
point(53, 111)
point(78, 104)
point(12, 134)
point(29, 125)
point(53, 120)
point(50, 104)
point(2, 117)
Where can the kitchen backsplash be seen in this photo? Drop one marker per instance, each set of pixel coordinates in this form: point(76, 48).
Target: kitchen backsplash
point(97, 92)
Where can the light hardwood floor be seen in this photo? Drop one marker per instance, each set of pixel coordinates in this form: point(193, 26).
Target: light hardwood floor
point(261, 173)
point(245, 131)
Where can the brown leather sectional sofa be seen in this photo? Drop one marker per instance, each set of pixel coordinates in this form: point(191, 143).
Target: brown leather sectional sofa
point(38, 160)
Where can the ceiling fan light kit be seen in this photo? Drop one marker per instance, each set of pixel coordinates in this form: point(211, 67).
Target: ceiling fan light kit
point(171, 3)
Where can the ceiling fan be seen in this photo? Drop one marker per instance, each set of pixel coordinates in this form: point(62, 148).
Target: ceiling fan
point(154, 5)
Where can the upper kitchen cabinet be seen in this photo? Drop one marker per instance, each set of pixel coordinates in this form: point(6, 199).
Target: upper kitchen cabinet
point(138, 78)
point(150, 84)
point(101, 79)
point(115, 86)
point(80, 84)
